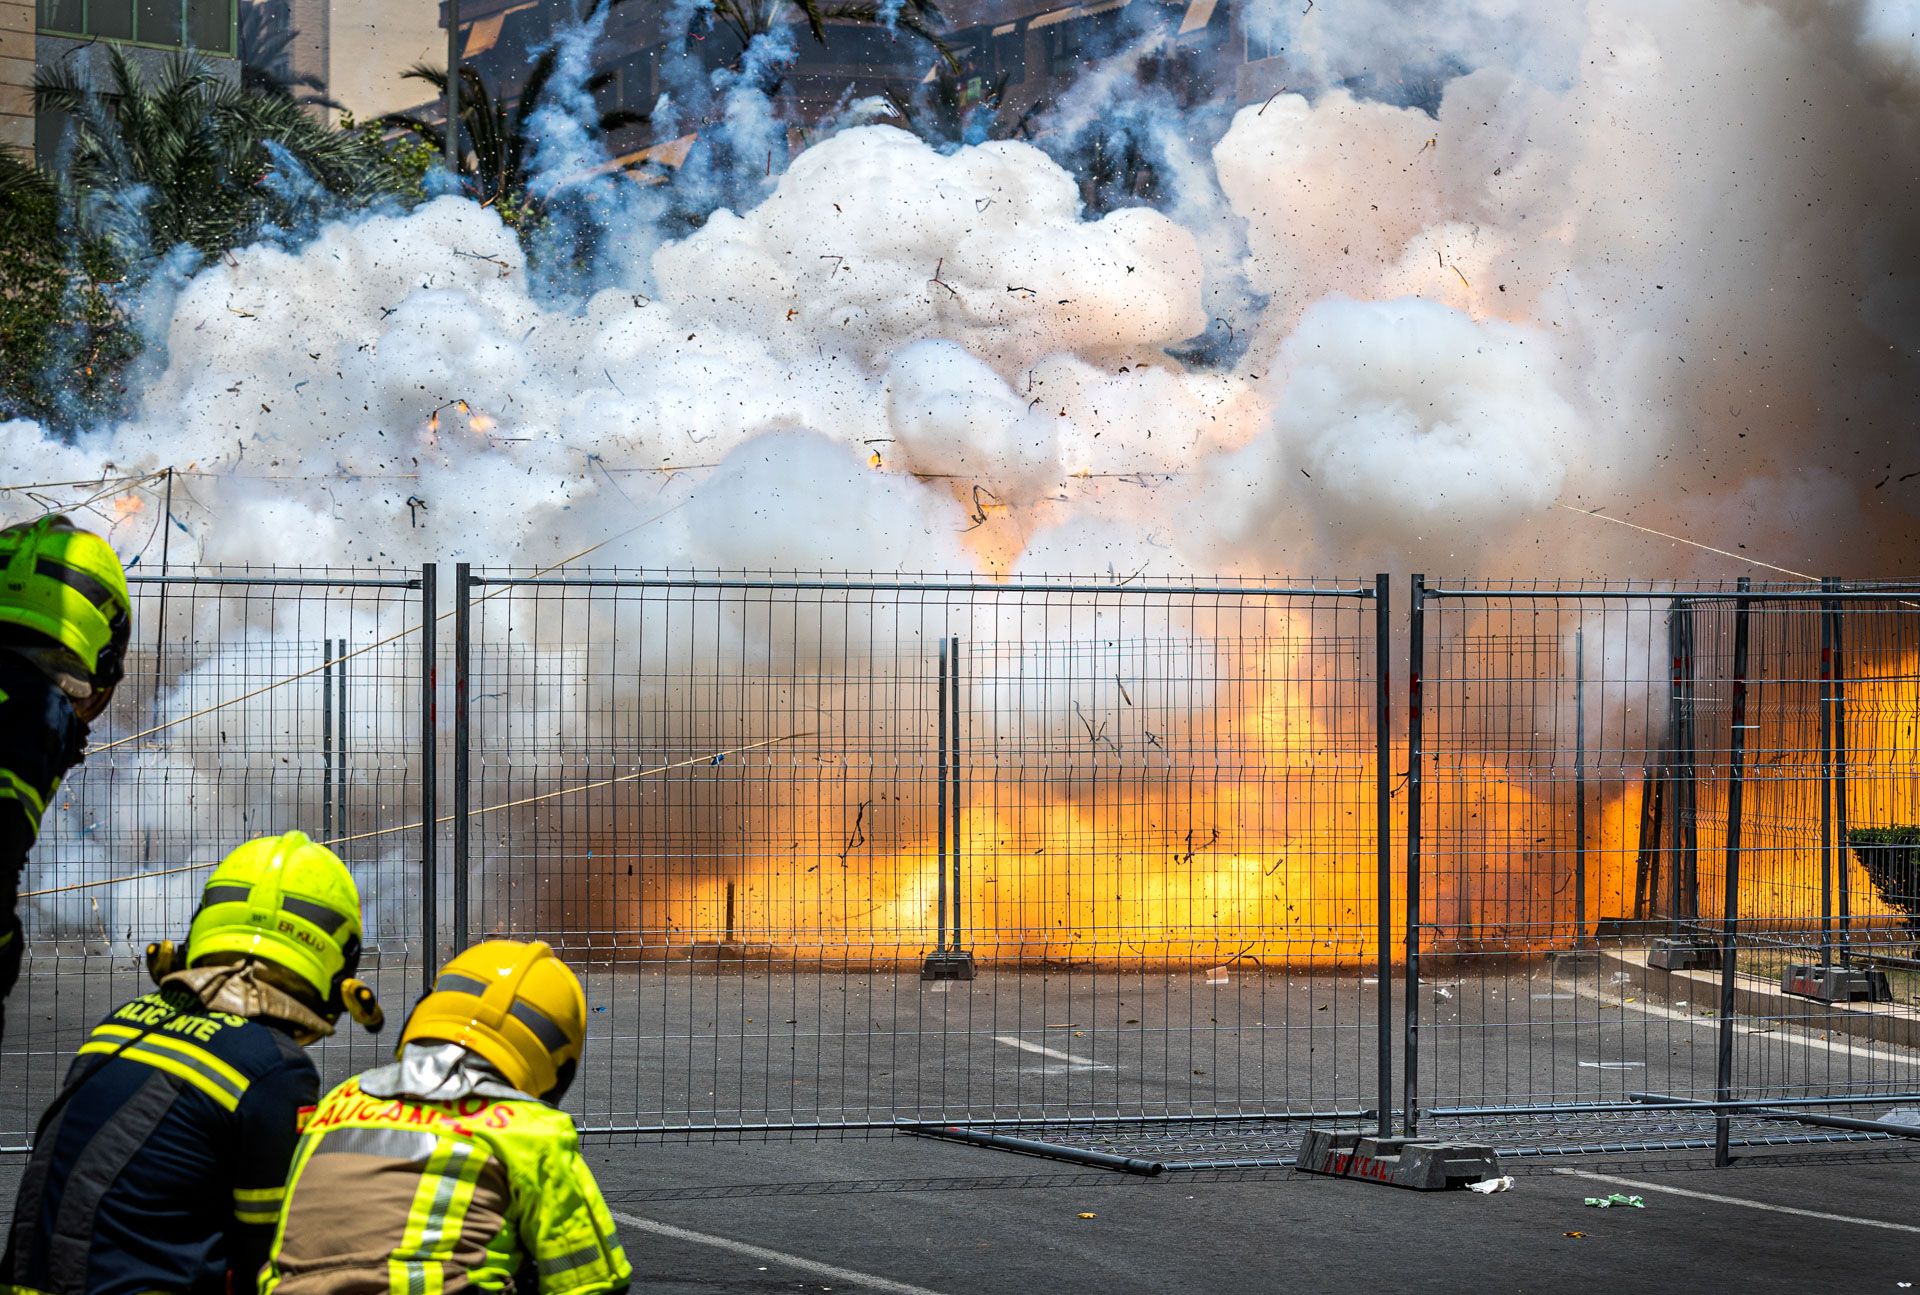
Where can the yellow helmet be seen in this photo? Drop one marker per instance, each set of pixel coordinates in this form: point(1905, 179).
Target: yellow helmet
point(286, 901)
point(515, 1004)
point(65, 584)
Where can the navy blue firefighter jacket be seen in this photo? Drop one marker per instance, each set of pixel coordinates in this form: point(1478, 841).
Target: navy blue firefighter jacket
point(162, 1163)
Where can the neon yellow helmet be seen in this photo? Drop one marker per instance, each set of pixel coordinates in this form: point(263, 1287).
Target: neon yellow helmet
point(66, 584)
point(515, 1004)
point(286, 901)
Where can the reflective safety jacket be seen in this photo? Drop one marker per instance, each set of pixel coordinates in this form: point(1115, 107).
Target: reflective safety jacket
point(400, 1195)
point(161, 1164)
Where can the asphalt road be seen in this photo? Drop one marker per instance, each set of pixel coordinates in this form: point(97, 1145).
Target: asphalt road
point(967, 1222)
point(890, 1213)
point(688, 1044)
point(898, 1216)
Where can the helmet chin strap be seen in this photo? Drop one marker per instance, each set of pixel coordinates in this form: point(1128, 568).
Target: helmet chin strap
point(164, 958)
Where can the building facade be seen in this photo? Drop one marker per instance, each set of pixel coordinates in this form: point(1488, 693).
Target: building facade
point(16, 73)
point(1025, 53)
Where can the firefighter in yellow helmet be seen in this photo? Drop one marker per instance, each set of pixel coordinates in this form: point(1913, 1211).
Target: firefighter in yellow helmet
point(64, 622)
point(452, 1167)
point(161, 1164)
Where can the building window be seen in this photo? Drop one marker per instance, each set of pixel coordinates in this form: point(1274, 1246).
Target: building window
point(172, 24)
point(1265, 42)
point(1063, 42)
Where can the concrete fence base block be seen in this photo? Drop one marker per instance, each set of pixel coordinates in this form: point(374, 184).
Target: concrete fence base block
point(948, 964)
point(1422, 1164)
point(1836, 984)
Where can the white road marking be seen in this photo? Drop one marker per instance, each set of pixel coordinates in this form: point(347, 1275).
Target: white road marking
point(851, 1276)
point(1737, 1200)
point(1890, 1052)
point(1014, 1042)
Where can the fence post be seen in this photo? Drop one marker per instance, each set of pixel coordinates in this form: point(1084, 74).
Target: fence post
point(1683, 908)
point(1730, 903)
point(1844, 881)
point(326, 740)
point(940, 837)
point(953, 764)
point(342, 751)
point(1580, 787)
point(1826, 778)
point(1383, 843)
point(462, 670)
point(429, 775)
point(1416, 660)
point(160, 620)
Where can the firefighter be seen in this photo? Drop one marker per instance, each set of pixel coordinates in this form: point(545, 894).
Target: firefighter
point(452, 1168)
point(64, 622)
point(161, 1164)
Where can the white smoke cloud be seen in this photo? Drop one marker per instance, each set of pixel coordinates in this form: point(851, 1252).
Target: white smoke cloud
point(1651, 255)
point(1411, 424)
point(872, 240)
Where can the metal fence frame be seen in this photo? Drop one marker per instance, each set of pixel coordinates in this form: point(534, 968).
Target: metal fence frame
point(1718, 939)
point(100, 971)
point(1666, 888)
point(989, 1126)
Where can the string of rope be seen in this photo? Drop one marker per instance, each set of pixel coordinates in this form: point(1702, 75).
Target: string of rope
point(118, 485)
point(711, 757)
point(378, 643)
point(111, 484)
point(1681, 539)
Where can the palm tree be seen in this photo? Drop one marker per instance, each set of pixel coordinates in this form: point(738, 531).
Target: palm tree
point(498, 136)
point(186, 159)
point(946, 112)
point(748, 19)
point(20, 179)
point(65, 339)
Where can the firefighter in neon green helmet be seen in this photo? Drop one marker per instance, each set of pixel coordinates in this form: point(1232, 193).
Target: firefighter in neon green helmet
point(194, 1093)
point(64, 622)
point(452, 1169)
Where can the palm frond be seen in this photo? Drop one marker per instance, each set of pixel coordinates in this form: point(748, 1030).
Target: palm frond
point(20, 178)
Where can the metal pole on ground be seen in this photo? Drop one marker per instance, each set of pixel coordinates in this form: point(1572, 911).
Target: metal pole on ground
point(1416, 648)
point(1383, 846)
point(1845, 878)
point(958, 805)
point(462, 667)
point(1826, 778)
point(326, 739)
point(429, 799)
point(940, 833)
point(1730, 904)
point(342, 782)
point(160, 621)
point(1580, 787)
point(1688, 895)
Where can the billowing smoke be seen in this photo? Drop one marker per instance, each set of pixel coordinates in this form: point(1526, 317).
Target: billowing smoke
point(1484, 259)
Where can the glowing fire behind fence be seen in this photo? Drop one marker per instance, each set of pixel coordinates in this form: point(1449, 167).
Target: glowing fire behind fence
point(1151, 776)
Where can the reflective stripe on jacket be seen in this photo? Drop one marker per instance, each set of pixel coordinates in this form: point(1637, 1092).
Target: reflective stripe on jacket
point(160, 1164)
point(403, 1196)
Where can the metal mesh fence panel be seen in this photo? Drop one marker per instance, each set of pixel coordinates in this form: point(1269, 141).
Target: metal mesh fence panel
point(838, 852)
point(255, 702)
point(1639, 811)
